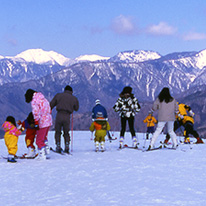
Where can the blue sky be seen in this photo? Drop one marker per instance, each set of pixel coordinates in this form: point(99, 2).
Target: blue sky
point(103, 27)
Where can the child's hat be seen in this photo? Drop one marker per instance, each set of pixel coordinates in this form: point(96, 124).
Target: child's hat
point(11, 119)
point(97, 101)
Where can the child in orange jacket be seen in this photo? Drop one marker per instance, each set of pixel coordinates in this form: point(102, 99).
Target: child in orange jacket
point(11, 137)
point(101, 126)
point(151, 121)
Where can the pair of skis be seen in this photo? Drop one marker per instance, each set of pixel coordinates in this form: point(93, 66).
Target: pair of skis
point(61, 153)
point(165, 146)
point(21, 157)
point(129, 147)
point(145, 150)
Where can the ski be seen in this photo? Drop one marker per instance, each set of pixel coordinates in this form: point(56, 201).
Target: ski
point(156, 148)
point(20, 157)
point(112, 139)
point(121, 148)
point(129, 147)
point(24, 157)
point(166, 147)
point(171, 148)
point(62, 152)
point(100, 151)
point(165, 143)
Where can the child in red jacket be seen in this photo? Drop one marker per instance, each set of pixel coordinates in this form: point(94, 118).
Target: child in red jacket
point(29, 125)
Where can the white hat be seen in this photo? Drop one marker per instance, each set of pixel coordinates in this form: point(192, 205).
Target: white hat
point(97, 101)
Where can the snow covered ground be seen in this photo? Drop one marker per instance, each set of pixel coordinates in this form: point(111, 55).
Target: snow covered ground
point(113, 178)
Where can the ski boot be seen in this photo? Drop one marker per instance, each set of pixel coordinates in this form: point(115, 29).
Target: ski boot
point(11, 159)
point(66, 150)
point(166, 141)
point(41, 154)
point(121, 142)
point(47, 148)
point(102, 147)
point(199, 141)
point(31, 152)
point(58, 148)
point(187, 140)
point(134, 144)
point(96, 146)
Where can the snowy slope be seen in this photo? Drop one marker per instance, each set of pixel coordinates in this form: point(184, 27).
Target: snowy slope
point(113, 178)
point(201, 59)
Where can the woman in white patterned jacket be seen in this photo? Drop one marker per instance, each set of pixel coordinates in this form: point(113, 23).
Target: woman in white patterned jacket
point(127, 106)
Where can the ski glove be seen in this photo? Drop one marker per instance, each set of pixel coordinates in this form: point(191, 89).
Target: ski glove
point(180, 116)
point(191, 113)
point(36, 125)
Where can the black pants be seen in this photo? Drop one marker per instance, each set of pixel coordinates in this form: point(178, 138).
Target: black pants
point(62, 122)
point(189, 129)
point(123, 126)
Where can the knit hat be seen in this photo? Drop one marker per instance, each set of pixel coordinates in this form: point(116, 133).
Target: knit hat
point(68, 88)
point(97, 101)
point(127, 90)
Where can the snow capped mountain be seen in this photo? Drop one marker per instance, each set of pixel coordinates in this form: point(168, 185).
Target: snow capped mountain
point(201, 59)
point(91, 58)
point(93, 78)
point(195, 60)
point(180, 69)
point(135, 56)
point(40, 56)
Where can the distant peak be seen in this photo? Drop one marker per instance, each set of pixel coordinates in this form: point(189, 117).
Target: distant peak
point(40, 56)
point(91, 57)
point(136, 56)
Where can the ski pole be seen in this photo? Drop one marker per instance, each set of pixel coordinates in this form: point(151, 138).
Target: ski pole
point(109, 136)
point(72, 134)
point(91, 136)
point(145, 139)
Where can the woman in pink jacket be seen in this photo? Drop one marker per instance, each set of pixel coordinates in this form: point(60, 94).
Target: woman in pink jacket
point(43, 120)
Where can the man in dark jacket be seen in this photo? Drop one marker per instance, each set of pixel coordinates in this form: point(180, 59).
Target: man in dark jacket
point(65, 104)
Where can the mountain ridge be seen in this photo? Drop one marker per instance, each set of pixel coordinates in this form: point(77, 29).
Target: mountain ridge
point(104, 79)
